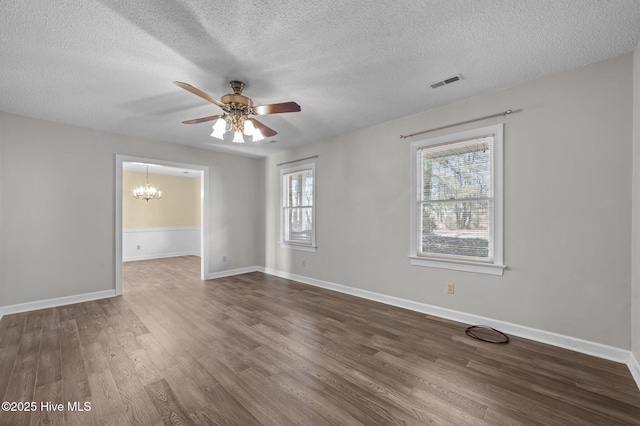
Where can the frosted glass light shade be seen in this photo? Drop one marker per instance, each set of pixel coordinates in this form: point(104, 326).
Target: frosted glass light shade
point(237, 137)
point(251, 130)
point(219, 129)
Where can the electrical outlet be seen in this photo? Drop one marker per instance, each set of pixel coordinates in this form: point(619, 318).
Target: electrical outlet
point(224, 258)
point(138, 247)
point(304, 262)
point(450, 288)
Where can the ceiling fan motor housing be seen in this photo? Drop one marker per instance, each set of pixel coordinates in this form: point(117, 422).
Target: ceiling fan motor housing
point(236, 100)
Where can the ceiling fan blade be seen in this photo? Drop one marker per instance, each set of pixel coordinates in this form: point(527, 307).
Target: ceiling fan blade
point(201, 120)
point(276, 108)
point(267, 132)
point(198, 92)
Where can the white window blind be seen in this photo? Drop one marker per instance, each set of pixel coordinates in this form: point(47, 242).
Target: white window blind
point(457, 212)
point(298, 206)
point(455, 199)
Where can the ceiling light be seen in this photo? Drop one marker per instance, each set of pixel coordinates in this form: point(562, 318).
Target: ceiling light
point(219, 128)
point(147, 192)
point(257, 136)
point(237, 109)
point(251, 130)
point(248, 128)
point(237, 137)
point(237, 121)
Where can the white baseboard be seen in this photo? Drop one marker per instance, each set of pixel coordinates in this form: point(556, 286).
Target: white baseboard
point(231, 272)
point(162, 256)
point(58, 301)
point(634, 367)
point(567, 342)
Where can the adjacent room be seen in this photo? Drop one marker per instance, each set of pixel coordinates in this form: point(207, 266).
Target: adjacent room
point(320, 214)
point(157, 230)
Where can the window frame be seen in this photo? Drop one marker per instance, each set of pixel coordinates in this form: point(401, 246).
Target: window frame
point(311, 247)
point(495, 267)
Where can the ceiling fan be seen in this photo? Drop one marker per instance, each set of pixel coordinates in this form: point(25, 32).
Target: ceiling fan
point(237, 109)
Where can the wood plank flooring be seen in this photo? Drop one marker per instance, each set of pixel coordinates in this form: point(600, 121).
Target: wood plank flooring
point(260, 350)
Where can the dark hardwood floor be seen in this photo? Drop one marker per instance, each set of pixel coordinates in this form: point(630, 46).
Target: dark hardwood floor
point(256, 349)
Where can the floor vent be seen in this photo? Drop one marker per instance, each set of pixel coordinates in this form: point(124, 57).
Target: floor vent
point(449, 80)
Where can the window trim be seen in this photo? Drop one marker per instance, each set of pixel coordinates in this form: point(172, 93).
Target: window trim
point(497, 179)
point(289, 244)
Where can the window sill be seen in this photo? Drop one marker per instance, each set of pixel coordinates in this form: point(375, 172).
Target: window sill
point(298, 247)
point(480, 268)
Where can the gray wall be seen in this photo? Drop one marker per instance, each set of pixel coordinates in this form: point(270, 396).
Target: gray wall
point(57, 207)
point(568, 164)
point(635, 285)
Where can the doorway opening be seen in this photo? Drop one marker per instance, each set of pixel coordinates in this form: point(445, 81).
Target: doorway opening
point(128, 164)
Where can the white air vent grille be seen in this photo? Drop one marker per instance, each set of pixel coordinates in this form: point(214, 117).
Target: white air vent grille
point(445, 81)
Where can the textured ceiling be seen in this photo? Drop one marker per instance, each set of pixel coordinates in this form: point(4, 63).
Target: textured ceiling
point(110, 64)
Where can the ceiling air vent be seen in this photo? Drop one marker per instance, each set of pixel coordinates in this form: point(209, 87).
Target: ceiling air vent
point(449, 80)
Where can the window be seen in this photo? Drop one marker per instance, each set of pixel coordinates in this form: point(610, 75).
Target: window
point(456, 203)
point(298, 208)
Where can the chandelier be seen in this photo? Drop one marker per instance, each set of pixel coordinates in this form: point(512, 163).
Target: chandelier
point(147, 192)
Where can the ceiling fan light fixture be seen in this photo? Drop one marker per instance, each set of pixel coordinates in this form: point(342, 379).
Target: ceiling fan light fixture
point(248, 128)
point(237, 137)
point(237, 109)
point(219, 128)
point(251, 130)
point(257, 136)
